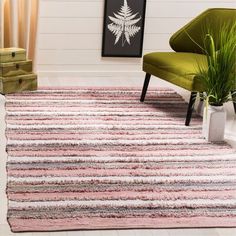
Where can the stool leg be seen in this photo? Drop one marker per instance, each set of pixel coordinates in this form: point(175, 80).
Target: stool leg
point(190, 108)
point(145, 87)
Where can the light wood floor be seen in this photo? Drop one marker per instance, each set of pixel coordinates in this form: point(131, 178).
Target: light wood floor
point(4, 227)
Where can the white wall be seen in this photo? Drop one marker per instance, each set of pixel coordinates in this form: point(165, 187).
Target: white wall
point(70, 35)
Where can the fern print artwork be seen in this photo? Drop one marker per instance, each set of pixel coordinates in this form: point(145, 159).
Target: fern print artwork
point(123, 25)
point(123, 28)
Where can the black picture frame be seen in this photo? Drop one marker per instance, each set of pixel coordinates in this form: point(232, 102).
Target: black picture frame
point(113, 30)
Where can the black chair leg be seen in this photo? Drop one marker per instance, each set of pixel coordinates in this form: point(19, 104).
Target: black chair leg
point(145, 87)
point(234, 103)
point(201, 97)
point(190, 107)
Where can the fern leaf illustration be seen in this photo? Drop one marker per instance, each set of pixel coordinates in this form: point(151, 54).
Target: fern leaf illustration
point(127, 37)
point(118, 16)
point(116, 21)
point(125, 9)
point(118, 36)
point(131, 17)
point(133, 22)
point(115, 29)
point(123, 24)
point(133, 30)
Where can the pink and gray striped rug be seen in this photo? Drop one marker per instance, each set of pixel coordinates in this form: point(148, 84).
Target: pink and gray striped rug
point(98, 158)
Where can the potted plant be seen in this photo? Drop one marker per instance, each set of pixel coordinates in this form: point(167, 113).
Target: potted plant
point(219, 80)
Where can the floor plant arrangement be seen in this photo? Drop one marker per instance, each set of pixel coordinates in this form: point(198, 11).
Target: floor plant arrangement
point(219, 78)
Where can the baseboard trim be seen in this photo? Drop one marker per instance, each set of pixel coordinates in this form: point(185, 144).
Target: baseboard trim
point(82, 74)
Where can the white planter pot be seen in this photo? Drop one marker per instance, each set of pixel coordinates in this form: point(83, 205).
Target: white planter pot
point(214, 118)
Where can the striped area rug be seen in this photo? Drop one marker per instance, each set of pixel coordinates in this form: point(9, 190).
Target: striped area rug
point(93, 158)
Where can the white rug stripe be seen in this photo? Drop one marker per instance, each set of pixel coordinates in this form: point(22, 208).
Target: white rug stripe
point(106, 142)
point(94, 113)
point(129, 179)
point(220, 157)
point(99, 127)
point(130, 203)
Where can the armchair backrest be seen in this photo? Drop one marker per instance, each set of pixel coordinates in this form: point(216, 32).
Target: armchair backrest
point(195, 30)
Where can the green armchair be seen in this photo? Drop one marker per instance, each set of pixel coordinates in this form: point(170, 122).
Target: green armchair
point(180, 67)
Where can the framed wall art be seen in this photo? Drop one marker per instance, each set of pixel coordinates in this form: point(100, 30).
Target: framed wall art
point(123, 28)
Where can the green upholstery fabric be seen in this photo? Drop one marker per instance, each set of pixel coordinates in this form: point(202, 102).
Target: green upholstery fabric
point(210, 19)
point(179, 67)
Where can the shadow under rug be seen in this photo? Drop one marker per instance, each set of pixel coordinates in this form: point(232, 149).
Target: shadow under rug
point(97, 158)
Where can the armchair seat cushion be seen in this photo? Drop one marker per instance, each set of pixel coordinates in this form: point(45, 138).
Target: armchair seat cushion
point(176, 67)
